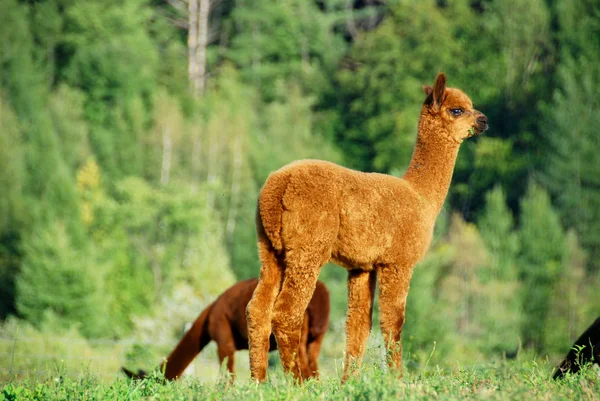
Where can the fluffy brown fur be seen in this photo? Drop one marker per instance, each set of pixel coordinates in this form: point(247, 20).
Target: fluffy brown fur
point(224, 321)
point(374, 225)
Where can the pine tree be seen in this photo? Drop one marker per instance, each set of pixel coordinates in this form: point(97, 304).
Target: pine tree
point(290, 41)
point(541, 262)
point(497, 228)
point(570, 125)
point(118, 75)
point(57, 278)
point(12, 211)
point(496, 225)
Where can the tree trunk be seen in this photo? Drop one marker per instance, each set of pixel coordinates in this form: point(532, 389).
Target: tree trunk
point(202, 45)
point(193, 44)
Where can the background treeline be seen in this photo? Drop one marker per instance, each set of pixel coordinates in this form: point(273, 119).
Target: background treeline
point(135, 136)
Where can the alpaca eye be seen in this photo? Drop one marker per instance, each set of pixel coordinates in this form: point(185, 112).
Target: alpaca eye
point(456, 112)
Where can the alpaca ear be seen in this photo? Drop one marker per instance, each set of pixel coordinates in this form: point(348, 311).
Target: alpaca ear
point(438, 90)
point(429, 94)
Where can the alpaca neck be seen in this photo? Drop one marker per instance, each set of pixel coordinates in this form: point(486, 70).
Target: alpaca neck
point(432, 164)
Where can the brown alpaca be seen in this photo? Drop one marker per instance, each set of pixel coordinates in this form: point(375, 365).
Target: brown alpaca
point(224, 321)
point(374, 225)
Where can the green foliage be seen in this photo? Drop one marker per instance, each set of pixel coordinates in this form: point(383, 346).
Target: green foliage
point(541, 262)
point(570, 299)
point(496, 225)
point(21, 81)
point(287, 133)
point(12, 175)
point(171, 237)
point(57, 277)
point(283, 41)
point(117, 73)
point(570, 172)
point(67, 114)
point(426, 327)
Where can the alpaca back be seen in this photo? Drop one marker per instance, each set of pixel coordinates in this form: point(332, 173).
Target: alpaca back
point(359, 217)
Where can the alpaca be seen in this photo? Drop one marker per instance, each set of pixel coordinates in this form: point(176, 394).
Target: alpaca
point(225, 322)
point(376, 226)
point(585, 350)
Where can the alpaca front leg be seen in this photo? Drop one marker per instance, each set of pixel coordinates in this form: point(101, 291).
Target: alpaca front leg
point(227, 352)
point(314, 348)
point(288, 314)
point(361, 290)
point(393, 289)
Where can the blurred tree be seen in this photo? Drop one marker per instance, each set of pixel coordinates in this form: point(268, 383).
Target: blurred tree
point(571, 168)
point(12, 211)
point(462, 287)
point(496, 225)
point(287, 132)
point(541, 262)
point(57, 276)
point(427, 327)
point(71, 127)
point(40, 174)
point(569, 300)
point(118, 75)
point(285, 40)
point(46, 25)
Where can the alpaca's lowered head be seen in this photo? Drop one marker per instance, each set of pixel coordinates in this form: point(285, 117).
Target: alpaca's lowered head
point(449, 112)
point(132, 375)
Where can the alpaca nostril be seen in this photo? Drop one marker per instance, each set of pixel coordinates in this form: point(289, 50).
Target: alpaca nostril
point(481, 120)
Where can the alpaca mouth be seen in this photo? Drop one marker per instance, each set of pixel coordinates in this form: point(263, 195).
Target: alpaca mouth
point(480, 128)
point(477, 130)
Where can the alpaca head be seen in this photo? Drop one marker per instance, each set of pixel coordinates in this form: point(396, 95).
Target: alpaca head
point(450, 111)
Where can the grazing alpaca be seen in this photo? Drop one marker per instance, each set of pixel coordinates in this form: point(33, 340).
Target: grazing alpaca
point(225, 322)
point(374, 225)
point(585, 350)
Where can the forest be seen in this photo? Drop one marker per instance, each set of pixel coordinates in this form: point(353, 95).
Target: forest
point(135, 137)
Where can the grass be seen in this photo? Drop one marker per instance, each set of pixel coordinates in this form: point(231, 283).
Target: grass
point(501, 380)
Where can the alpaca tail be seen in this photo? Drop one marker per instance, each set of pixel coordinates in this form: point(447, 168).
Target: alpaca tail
point(270, 209)
point(193, 341)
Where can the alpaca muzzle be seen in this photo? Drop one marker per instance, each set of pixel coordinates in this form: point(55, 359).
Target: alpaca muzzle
point(482, 124)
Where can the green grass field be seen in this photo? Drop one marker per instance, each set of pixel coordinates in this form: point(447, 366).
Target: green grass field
point(501, 380)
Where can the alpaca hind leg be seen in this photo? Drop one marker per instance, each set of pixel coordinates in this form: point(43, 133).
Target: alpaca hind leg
point(296, 292)
point(302, 348)
point(314, 349)
point(260, 308)
point(393, 289)
point(361, 291)
point(225, 344)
